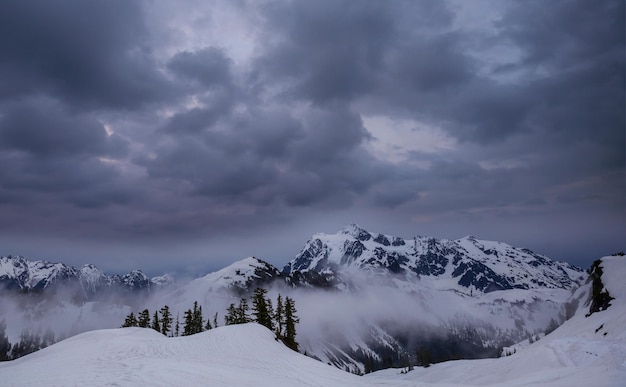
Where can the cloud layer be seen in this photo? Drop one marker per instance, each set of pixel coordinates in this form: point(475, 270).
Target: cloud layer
point(137, 126)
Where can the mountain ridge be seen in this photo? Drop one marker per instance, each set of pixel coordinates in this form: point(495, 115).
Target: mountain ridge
point(20, 274)
point(478, 265)
point(474, 265)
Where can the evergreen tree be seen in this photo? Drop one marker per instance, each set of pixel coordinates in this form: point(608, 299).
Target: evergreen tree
point(238, 314)
point(243, 312)
point(188, 325)
point(279, 317)
point(231, 315)
point(197, 318)
point(155, 322)
point(177, 326)
point(130, 321)
point(166, 320)
point(423, 356)
point(143, 319)
point(291, 319)
point(215, 320)
point(5, 345)
point(29, 343)
point(208, 326)
point(261, 308)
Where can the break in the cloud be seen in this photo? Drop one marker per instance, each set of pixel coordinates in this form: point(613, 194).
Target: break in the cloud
point(147, 134)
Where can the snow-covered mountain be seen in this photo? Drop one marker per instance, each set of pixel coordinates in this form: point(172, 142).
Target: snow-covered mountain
point(19, 273)
point(475, 265)
point(241, 276)
point(586, 350)
point(366, 300)
point(22, 274)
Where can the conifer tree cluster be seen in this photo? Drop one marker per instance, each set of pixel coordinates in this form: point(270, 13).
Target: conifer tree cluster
point(160, 323)
point(30, 342)
point(282, 320)
point(194, 320)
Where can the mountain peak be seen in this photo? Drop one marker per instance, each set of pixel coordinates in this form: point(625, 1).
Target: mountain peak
point(471, 263)
point(356, 231)
point(241, 275)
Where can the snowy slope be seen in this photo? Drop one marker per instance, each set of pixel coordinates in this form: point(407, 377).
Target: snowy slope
point(217, 289)
point(241, 355)
point(242, 275)
point(584, 351)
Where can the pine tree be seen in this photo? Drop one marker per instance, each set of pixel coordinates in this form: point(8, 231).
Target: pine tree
point(291, 319)
point(243, 311)
point(423, 356)
point(231, 315)
point(197, 318)
point(215, 320)
point(188, 325)
point(166, 320)
point(130, 321)
point(143, 319)
point(261, 308)
point(29, 343)
point(155, 322)
point(238, 314)
point(177, 326)
point(5, 345)
point(279, 317)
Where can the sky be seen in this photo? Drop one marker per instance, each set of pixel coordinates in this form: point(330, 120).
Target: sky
point(182, 136)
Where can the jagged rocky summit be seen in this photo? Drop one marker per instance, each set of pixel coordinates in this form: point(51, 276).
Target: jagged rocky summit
point(471, 263)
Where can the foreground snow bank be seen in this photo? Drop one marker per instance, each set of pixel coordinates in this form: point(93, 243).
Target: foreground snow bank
point(237, 355)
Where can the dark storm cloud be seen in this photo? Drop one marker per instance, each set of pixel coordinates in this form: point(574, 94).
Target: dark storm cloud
point(106, 131)
point(47, 150)
point(268, 156)
point(44, 129)
point(92, 53)
point(341, 50)
point(210, 67)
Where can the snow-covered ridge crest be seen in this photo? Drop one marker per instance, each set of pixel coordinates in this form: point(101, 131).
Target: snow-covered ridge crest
point(472, 263)
point(18, 273)
point(239, 276)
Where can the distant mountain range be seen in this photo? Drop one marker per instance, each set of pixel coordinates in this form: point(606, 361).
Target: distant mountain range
point(19, 274)
point(367, 300)
point(325, 261)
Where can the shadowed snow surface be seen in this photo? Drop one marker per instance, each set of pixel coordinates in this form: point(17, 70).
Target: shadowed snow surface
point(584, 351)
